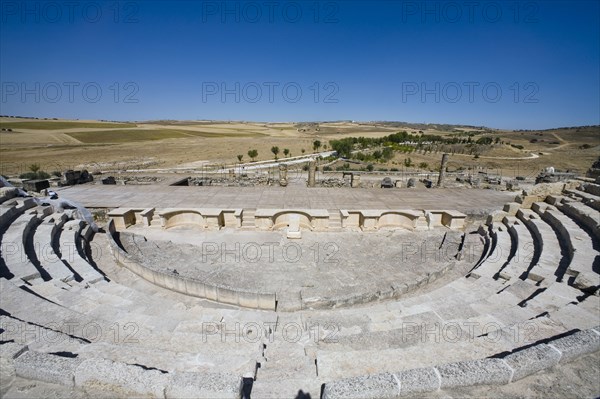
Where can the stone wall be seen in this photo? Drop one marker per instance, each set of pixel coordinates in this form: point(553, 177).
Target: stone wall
point(275, 219)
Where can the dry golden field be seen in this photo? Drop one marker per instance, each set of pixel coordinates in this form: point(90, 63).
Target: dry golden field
point(95, 145)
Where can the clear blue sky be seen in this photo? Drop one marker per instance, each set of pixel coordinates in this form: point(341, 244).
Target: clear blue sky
point(501, 64)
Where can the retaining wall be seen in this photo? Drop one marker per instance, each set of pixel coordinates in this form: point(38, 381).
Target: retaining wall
point(189, 286)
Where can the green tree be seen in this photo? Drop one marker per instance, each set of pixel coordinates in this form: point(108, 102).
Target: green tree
point(286, 152)
point(303, 151)
point(34, 167)
point(408, 162)
point(343, 147)
point(275, 151)
point(370, 167)
point(387, 153)
point(240, 157)
point(424, 165)
point(316, 145)
point(253, 154)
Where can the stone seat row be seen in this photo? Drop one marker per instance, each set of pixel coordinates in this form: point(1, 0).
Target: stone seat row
point(128, 379)
point(489, 371)
point(91, 324)
point(543, 244)
point(38, 244)
point(519, 280)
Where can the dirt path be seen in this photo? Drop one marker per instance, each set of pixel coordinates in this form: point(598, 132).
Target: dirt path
point(531, 156)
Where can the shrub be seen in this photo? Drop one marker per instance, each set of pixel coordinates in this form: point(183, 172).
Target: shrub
point(35, 175)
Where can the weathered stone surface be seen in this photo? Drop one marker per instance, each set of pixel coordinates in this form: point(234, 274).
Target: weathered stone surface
point(474, 372)
point(578, 344)
point(554, 199)
point(7, 375)
point(545, 189)
point(418, 381)
point(7, 193)
point(531, 360)
point(12, 350)
point(376, 386)
point(527, 201)
point(593, 189)
point(46, 367)
point(123, 379)
point(35, 185)
point(511, 208)
point(203, 385)
point(495, 216)
point(587, 282)
point(8, 352)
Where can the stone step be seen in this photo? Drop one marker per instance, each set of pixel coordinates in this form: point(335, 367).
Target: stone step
point(591, 188)
point(500, 253)
point(129, 341)
point(13, 208)
point(523, 257)
point(15, 252)
point(86, 237)
point(435, 344)
point(248, 219)
point(288, 388)
point(482, 239)
point(70, 253)
point(550, 256)
point(555, 297)
point(37, 337)
point(37, 310)
point(44, 244)
point(335, 220)
point(590, 200)
point(584, 259)
point(585, 215)
point(8, 193)
point(120, 304)
point(123, 345)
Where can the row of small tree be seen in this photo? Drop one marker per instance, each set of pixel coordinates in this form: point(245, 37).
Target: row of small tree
point(275, 150)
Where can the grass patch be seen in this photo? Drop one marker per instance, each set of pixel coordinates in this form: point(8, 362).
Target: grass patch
point(127, 136)
point(48, 125)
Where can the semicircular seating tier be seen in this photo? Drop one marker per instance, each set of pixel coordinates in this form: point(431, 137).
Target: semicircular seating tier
point(517, 294)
